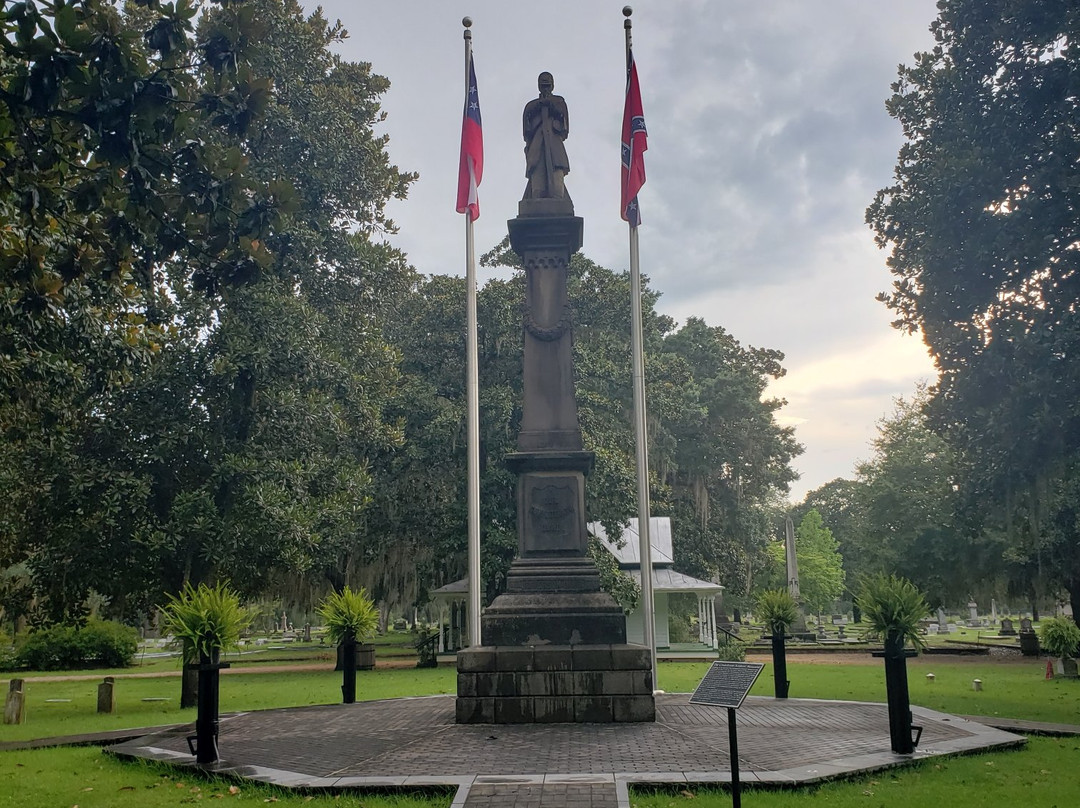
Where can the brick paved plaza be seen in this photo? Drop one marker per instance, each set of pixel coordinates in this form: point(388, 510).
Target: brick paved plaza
point(415, 742)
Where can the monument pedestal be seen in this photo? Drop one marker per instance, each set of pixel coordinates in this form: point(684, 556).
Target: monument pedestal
point(555, 645)
point(558, 684)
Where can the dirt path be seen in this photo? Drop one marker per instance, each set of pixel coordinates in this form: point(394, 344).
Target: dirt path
point(326, 665)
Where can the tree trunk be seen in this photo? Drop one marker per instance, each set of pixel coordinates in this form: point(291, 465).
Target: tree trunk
point(1073, 588)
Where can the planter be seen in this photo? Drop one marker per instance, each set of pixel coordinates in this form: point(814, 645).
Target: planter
point(365, 657)
point(1065, 667)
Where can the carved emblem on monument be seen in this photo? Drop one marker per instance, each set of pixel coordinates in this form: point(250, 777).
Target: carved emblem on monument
point(551, 509)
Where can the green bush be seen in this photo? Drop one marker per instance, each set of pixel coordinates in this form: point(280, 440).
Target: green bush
point(732, 651)
point(108, 644)
point(100, 643)
point(1060, 636)
point(777, 610)
point(892, 608)
point(349, 614)
point(204, 619)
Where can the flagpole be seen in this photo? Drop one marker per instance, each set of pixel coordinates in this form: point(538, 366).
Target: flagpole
point(472, 398)
point(641, 435)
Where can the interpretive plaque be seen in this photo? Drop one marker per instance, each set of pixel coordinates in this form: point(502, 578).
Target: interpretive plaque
point(726, 684)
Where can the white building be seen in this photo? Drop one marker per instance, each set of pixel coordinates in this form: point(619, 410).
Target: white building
point(666, 581)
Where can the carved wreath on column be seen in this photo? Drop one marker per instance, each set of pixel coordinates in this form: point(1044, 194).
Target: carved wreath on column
point(548, 334)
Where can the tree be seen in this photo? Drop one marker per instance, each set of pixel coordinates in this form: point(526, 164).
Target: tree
point(983, 229)
point(908, 505)
point(721, 452)
point(109, 171)
point(840, 504)
point(821, 567)
point(723, 385)
point(244, 440)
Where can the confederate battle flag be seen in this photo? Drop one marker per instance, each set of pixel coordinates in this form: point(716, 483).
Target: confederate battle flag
point(634, 144)
point(471, 168)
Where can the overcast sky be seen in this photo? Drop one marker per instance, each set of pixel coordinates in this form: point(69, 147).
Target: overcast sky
point(768, 137)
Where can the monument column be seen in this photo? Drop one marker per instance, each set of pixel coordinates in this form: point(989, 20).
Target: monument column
point(556, 646)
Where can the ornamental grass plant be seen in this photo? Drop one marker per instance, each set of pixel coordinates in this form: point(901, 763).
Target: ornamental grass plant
point(893, 608)
point(205, 619)
point(777, 610)
point(349, 615)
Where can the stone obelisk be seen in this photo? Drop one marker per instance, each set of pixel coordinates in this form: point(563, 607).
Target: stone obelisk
point(798, 628)
point(555, 645)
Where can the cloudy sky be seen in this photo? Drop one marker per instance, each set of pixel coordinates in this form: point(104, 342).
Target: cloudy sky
point(768, 137)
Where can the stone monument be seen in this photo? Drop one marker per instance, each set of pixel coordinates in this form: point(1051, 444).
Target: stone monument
point(555, 647)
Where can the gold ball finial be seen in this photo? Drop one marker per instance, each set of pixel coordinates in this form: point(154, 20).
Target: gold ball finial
point(627, 11)
point(467, 22)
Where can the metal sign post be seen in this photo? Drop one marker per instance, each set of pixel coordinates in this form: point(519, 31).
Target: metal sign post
point(726, 684)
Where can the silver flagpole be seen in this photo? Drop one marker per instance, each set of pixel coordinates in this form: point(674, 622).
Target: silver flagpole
point(472, 399)
point(641, 434)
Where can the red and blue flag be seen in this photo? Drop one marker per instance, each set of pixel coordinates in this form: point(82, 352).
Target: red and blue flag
point(471, 167)
point(634, 145)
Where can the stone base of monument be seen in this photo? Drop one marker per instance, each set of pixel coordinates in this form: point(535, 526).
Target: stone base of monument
point(555, 684)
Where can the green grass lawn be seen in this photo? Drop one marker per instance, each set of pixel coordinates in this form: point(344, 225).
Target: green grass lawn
point(1012, 687)
point(1042, 774)
point(87, 778)
point(260, 691)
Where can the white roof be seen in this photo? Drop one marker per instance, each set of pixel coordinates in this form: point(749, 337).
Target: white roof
point(667, 580)
point(664, 580)
point(628, 555)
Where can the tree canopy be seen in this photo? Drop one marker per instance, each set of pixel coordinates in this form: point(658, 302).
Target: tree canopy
point(983, 230)
point(212, 364)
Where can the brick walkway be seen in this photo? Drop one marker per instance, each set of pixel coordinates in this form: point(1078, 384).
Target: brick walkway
point(415, 742)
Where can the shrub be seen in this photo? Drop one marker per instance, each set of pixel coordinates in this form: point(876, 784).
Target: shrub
point(777, 610)
point(205, 619)
point(101, 643)
point(349, 614)
point(732, 651)
point(892, 608)
point(1060, 636)
point(108, 644)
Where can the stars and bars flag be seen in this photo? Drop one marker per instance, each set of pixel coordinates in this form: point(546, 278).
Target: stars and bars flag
point(471, 167)
point(634, 145)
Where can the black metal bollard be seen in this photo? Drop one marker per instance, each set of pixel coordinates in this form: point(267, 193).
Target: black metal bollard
point(348, 676)
point(779, 661)
point(896, 688)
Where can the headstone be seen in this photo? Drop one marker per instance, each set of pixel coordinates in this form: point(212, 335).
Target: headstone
point(842, 635)
point(839, 620)
point(1025, 625)
point(973, 610)
point(15, 703)
point(943, 621)
point(106, 696)
point(1007, 629)
point(736, 615)
point(993, 611)
point(284, 622)
point(307, 632)
point(821, 635)
point(932, 628)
